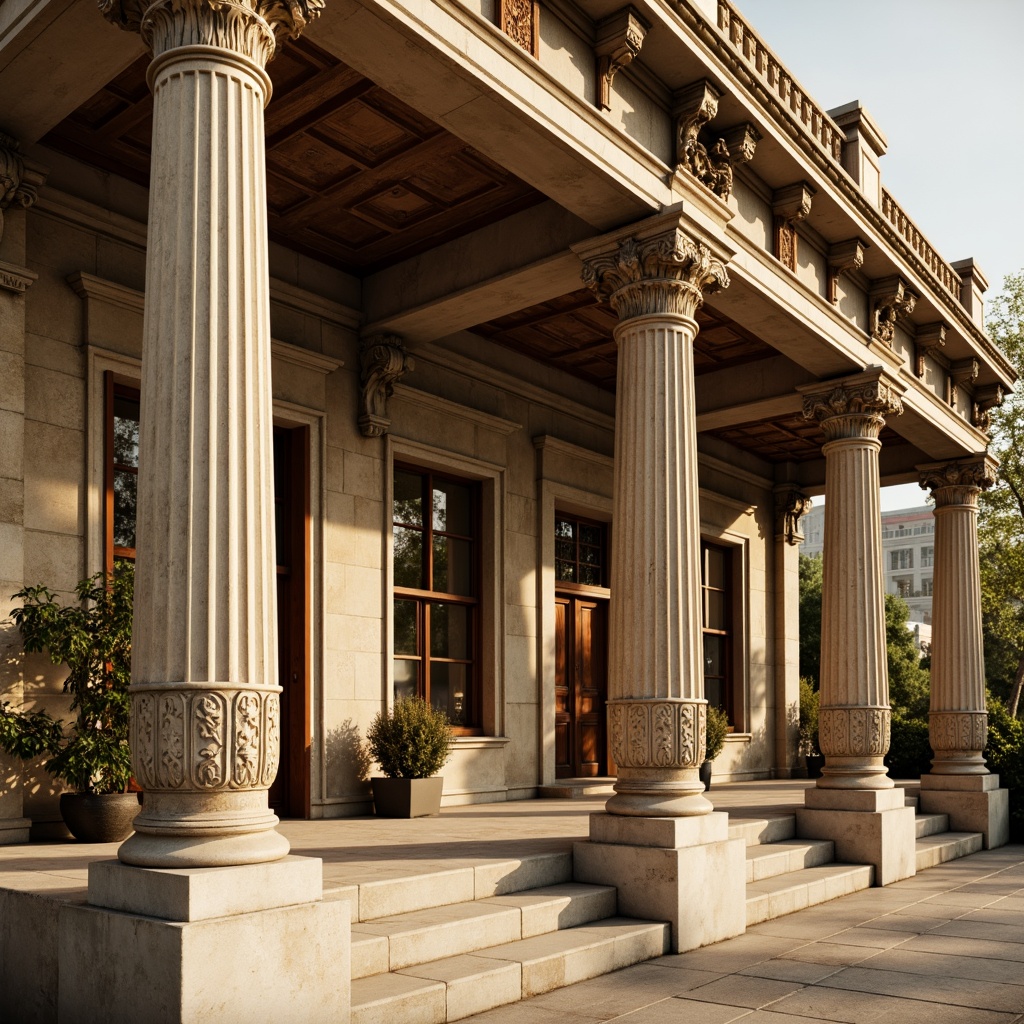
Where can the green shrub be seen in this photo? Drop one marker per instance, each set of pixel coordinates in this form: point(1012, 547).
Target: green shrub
point(809, 703)
point(93, 638)
point(910, 753)
point(412, 741)
point(1005, 756)
point(718, 729)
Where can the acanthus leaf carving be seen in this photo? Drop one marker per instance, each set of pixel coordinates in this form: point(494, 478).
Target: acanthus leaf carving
point(383, 361)
point(209, 721)
point(697, 105)
point(246, 773)
point(854, 731)
point(960, 481)
point(658, 733)
point(668, 272)
point(854, 408)
point(891, 299)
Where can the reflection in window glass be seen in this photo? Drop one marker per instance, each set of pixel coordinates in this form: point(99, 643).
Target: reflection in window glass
point(408, 558)
point(580, 552)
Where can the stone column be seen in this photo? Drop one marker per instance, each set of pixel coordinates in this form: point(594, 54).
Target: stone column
point(659, 842)
point(959, 783)
point(854, 802)
point(205, 705)
point(657, 714)
point(791, 504)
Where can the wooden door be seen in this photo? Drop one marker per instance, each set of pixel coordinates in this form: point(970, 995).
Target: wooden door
point(289, 794)
point(581, 685)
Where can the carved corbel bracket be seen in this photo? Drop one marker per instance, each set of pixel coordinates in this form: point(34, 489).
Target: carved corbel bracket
point(986, 398)
point(695, 106)
point(741, 140)
point(928, 339)
point(383, 361)
point(790, 205)
point(842, 258)
point(619, 38)
point(890, 299)
point(791, 505)
point(961, 375)
point(20, 180)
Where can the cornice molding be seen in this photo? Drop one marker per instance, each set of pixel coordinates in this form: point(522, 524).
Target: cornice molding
point(556, 446)
point(446, 407)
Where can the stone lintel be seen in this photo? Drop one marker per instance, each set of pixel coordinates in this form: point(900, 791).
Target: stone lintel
point(667, 833)
point(199, 894)
point(961, 783)
point(986, 811)
point(700, 890)
point(884, 838)
point(854, 799)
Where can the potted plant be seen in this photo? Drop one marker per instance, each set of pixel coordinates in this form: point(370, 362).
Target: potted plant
point(808, 732)
point(718, 729)
point(411, 743)
point(93, 638)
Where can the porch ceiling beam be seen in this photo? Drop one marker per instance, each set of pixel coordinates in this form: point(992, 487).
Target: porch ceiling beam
point(52, 56)
point(749, 412)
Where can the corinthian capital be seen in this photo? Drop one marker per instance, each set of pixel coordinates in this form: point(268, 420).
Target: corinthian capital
point(959, 482)
point(854, 407)
point(667, 272)
point(252, 28)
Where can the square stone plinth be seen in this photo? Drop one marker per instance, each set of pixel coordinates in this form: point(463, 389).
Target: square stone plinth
point(974, 803)
point(884, 839)
point(698, 886)
point(289, 965)
point(196, 894)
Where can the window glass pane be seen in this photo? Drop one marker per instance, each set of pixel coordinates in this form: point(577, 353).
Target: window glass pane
point(563, 529)
point(715, 568)
point(405, 678)
point(408, 498)
point(408, 558)
point(591, 535)
point(124, 509)
point(405, 628)
point(592, 556)
point(449, 631)
point(714, 656)
point(449, 690)
point(565, 572)
point(591, 575)
point(452, 512)
point(565, 549)
point(714, 691)
point(452, 566)
point(716, 610)
point(126, 431)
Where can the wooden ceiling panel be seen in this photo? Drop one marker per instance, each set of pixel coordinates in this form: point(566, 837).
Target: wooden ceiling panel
point(354, 176)
point(786, 439)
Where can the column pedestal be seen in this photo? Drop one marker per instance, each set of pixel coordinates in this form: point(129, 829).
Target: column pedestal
point(192, 945)
point(683, 870)
point(974, 803)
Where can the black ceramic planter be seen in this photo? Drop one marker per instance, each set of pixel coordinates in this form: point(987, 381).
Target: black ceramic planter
point(407, 798)
point(705, 773)
point(99, 818)
point(815, 762)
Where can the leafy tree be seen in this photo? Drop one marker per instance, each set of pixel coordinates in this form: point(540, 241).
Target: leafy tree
point(810, 618)
point(1001, 523)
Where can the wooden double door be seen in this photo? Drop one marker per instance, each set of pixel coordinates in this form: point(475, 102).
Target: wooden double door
point(581, 686)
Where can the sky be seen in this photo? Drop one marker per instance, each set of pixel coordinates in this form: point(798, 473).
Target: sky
point(944, 81)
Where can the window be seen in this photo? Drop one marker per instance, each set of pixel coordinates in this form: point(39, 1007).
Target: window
point(121, 470)
point(927, 556)
point(905, 587)
point(926, 587)
point(580, 552)
point(901, 559)
point(716, 595)
point(436, 595)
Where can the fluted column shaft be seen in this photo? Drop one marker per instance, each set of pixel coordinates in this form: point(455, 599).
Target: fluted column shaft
point(958, 722)
point(854, 719)
point(657, 714)
point(205, 705)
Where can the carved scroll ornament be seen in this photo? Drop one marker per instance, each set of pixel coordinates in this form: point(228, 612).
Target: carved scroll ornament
point(854, 731)
point(18, 187)
point(986, 399)
point(665, 273)
point(842, 258)
point(929, 340)
point(791, 505)
point(619, 40)
point(698, 104)
point(890, 301)
point(658, 734)
point(962, 374)
point(383, 361)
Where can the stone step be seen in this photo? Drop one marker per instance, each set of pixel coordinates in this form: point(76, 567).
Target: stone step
point(408, 891)
point(795, 890)
point(933, 850)
point(757, 831)
point(930, 824)
point(577, 789)
point(404, 940)
point(451, 988)
point(785, 856)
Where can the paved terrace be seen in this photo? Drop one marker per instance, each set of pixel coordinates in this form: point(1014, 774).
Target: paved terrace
point(945, 947)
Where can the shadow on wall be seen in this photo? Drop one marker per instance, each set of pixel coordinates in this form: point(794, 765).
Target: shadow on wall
point(348, 762)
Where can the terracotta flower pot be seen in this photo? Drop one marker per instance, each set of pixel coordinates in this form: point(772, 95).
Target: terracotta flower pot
point(407, 798)
point(99, 818)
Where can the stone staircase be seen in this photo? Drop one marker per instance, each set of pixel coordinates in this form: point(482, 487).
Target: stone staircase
point(424, 953)
point(426, 960)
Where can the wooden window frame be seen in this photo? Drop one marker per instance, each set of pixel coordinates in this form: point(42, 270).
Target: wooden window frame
point(425, 598)
point(113, 386)
point(601, 589)
point(728, 633)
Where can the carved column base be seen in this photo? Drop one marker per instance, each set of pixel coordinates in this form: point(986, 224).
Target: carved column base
point(658, 746)
point(957, 739)
point(854, 740)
